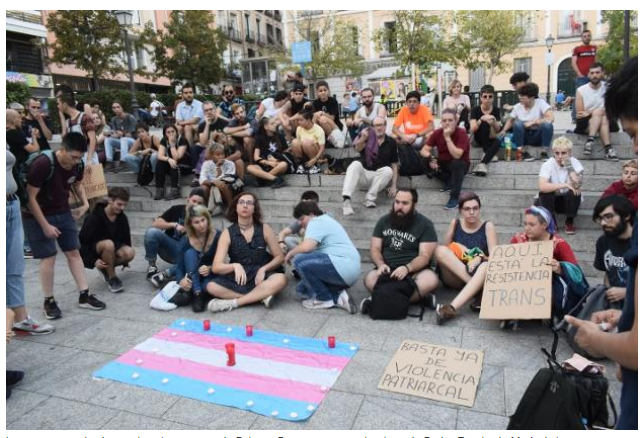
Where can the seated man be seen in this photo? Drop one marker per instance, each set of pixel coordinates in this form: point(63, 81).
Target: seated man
point(516, 80)
point(416, 121)
point(289, 113)
point(532, 122)
point(290, 236)
point(241, 129)
point(375, 169)
point(560, 180)
point(615, 214)
point(628, 185)
point(166, 236)
point(590, 112)
point(403, 243)
point(327, 115)
point(452, 143)
point(364, 117)
point(189, 113)
point(228, 99)
point(271, 106)
point(105, 240)
point(485, 125)
point(122, 136)
point(326, 260)
point(309, 145)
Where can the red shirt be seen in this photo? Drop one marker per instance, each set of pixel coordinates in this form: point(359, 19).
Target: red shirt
point(460, 139)
point(618, 188)
point(585, 56)
point(562, 251)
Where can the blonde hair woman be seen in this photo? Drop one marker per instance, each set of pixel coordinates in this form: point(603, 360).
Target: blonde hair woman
point(459, 102)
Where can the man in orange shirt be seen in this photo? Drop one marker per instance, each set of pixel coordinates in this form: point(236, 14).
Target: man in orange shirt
point(414, 122)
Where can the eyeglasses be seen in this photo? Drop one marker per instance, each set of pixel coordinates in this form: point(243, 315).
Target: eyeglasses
point(228, 92)
point(379, 125)
point(470, 209)
point(208, 109)
point(487, 96)
point(248, 203)
point(607, 217)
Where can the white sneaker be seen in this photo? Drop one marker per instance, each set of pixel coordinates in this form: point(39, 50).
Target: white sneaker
point(314, 170)
point(370, 204)
point(337, 138)
point(33, 327)
point(300, 169)
point(218, 305)
point(267, 301)
point(345, 301)
point(160, 302)
point(315, 304)
point(347, 208)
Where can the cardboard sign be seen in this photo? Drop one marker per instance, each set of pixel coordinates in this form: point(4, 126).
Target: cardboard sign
point(518, 282)
point(94, 181)
point(435, 372)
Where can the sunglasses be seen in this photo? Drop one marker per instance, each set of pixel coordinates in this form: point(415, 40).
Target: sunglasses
point(487, 96)
point(229, 92)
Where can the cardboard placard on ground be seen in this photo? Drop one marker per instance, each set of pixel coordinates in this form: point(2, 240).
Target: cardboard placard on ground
point(435, 372)
point(518, 282)
point(93, 182)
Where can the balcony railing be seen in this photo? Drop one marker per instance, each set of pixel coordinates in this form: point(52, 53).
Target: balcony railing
point(569, 28)
point(26, 16)
point(261, 39)
point(250, 36)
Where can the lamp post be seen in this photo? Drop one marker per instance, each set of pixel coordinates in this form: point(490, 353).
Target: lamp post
point(549, 41)
point(124, 21)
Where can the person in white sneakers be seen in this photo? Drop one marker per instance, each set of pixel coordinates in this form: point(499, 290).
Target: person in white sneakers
point(376, 168)
point(327, 115)
point(309, 145)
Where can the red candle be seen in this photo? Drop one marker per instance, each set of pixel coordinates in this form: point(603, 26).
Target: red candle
point(331, 342)
point(248, 330)
point(229, 348)
point(206, 325)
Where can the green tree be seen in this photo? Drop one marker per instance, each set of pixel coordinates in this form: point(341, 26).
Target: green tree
point(484, 39)
point(91, 40)
point(334, 45)
point(17, 92)
point(189, 48)
point(611, 54)
point(416, 39)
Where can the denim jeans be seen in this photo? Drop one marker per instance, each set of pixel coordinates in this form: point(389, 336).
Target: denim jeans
point(319, 278)
point(134, 162)
point(124, 143)
point(157, 243)
point(191, 263)
point(15, 262)
point(541, 136)
point(578, 82)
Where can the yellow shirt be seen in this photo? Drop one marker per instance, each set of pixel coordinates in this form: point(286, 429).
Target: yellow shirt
point(316, 134)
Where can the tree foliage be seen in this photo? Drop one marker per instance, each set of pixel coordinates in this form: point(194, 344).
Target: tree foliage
point(417, 38)
point(335, 51)
point(188, 48)
point(17, 92)
point(484, 39)
point(611, 54)
point(91, 40)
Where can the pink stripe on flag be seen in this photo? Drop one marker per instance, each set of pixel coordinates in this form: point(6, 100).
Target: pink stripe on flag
point(255, 349)
point(225, 376)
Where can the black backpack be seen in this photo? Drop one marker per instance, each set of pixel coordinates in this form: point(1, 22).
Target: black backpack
point(410, 161)
point(562, 399)
point(145, 172)
point(391, 298)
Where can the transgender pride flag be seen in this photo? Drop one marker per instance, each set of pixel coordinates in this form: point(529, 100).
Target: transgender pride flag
point(275, 375)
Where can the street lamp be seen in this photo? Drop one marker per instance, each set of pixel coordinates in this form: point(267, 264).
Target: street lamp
point(549, 41)
point(124, 21)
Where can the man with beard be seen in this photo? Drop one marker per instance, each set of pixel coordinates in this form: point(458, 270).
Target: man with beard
point(590, 112)
point(583, 56)
point(364, 117)
point(615, 214)
point(242, 130)
point(225, 110)
point(189, 114)
point(403, 243)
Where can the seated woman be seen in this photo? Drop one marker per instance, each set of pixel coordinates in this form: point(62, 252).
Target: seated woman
point(560, 180)
point(194, 268)
point(173, 159)
point(459, 102)
point(568, 281)
point(220, 173)
point(269, 158)
point(102, 132)
point(254, 272)
point(462, 260)
point(628, 185)
point(145, 144)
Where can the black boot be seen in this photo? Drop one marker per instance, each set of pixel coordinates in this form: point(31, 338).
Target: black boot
point(159, 194)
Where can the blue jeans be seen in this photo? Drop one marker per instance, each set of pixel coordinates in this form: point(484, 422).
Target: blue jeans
point(124, 143)
point(319, 278)
point(134, 161)
point(191, 261)
point(578, 82)
point(15, 262)
point(157, 243)
point(541, 136)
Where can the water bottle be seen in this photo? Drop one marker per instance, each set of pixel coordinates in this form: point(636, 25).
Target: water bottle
point(507, 141)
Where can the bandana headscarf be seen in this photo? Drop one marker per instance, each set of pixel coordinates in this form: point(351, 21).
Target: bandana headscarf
point(546, 215)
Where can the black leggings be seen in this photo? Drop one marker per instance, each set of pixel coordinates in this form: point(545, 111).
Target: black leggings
point(163, 168)
point(567, 204)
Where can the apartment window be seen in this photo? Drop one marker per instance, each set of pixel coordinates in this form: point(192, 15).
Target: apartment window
point(355, 37)
point(258, 28)
point(247, 26)
point(522, 65)
point(280, 39)
point(390, 45)
point(528, 24)
point(570, 24)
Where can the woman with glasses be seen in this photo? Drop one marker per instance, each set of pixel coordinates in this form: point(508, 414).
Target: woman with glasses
point(254, 271)
point(462, 260)
point(485, 125)
point(194, 268)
